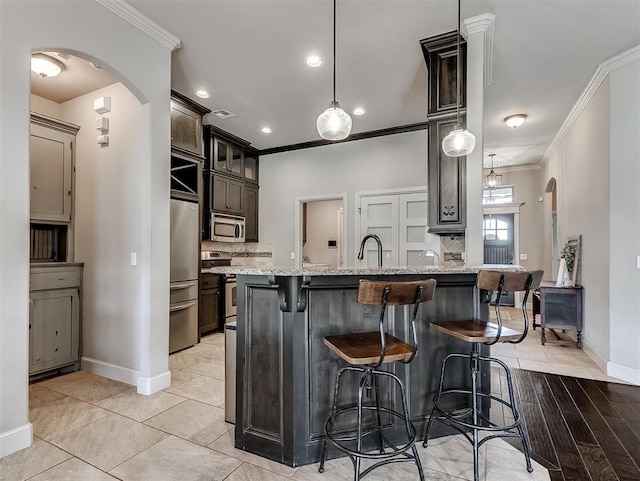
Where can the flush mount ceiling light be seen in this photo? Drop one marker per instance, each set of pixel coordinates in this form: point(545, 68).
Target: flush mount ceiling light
point(515, 121)
point(313, 61)
point(45, 66)
point(358, 111)
point(334, 123)
point(266, 130)
point(203, 94)
point(459, 141)
point(492, 180)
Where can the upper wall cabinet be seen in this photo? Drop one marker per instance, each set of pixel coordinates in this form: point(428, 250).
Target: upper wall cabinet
point(186, 123)
point(447, 175)
point(227, 154)
point(51, 158)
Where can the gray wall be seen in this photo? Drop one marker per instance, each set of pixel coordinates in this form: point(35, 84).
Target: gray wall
point(390, 162)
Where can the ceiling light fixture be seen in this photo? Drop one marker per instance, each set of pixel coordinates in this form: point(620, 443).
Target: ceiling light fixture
point(358, 111)
point(515, 121)
point(334, 123)
point(459, 141)
point(492, 180)
point(266, 130)
point(45, 66)
point(313, 61)
point(203, 94)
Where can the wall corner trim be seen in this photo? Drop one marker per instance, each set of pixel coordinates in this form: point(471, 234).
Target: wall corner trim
point(483, 23)
point(151, 385)
point(604, 69)
point(142, 22)
point(16, 439)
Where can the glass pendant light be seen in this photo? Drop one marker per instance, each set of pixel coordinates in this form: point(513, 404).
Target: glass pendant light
point(334, 123)
point(492, 180)
point(459, 141)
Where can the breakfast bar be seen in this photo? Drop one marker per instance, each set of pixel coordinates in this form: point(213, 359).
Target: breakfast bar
point(285, 374)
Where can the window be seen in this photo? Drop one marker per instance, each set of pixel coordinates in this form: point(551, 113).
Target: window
point(495, 229)
point(502, 195)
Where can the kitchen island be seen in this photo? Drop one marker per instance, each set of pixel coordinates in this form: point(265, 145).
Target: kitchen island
point(285, 374)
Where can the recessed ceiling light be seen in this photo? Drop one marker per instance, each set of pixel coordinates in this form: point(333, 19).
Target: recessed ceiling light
point(358, 111)
point(266, 130)
point(203, 94)
point(313, 61)
point(516, 120)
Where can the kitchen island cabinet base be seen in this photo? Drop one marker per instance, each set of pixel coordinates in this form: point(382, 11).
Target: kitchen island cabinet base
point(285, 374)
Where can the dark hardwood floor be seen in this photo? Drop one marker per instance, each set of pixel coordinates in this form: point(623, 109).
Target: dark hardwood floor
point(579, 429)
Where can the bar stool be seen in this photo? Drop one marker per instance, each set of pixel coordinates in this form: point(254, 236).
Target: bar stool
point(477, 332)
point(364, 353)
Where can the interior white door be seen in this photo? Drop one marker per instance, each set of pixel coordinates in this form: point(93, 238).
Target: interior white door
point(412, 218)
point(379, 216)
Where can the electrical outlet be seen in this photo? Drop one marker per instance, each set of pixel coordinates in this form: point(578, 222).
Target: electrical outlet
point(523, 257)
point(293, 256)
point(638, 262)
point(134, 258)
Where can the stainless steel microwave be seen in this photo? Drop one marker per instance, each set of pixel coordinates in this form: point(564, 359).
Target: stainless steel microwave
point(227, 228)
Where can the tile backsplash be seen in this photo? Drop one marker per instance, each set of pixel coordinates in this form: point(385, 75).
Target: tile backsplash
point(453, 249)
point(249, 254)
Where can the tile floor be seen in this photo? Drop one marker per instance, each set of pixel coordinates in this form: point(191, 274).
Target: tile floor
point(92, 429)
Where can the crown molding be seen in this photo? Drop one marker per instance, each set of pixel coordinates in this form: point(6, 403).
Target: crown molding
point(143, 23)
point(604, 69)
point(483, 23)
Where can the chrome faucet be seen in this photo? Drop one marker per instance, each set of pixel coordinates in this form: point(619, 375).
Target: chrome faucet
point(430, 253)
point(364, 241)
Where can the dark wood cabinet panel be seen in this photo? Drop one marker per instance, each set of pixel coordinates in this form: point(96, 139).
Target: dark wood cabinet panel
point(186, 123)
point(209, 312)
point(446, 175)
point(560, 308)
point(226, 195)
point(250, 210)
point(447, 183)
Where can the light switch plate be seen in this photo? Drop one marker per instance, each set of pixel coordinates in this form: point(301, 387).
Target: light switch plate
point(523, 257)
point(638, 262)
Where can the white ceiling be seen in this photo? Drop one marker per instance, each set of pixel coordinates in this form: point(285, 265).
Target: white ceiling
point(250, 55)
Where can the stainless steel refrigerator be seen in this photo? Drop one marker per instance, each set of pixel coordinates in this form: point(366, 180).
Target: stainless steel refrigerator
point(185, 263)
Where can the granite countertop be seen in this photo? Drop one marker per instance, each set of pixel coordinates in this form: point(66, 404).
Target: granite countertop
point(358, 271)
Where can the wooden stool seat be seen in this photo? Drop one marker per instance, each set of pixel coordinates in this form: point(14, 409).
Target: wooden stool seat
point(475, 330)
point(363, 348)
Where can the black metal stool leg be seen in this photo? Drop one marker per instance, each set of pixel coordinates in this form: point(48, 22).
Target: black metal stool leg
point(516, 416)
point(363, 385)
point(336, 388)
point(376, 386)
point(474, 364)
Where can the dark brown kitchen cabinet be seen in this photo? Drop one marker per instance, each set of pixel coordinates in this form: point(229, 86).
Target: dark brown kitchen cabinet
point(250, 211)
point(186, 123)
point(447, 180)
point(209, 311)
point(226, 195)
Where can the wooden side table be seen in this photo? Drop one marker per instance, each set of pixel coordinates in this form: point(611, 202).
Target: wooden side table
point(559, 308)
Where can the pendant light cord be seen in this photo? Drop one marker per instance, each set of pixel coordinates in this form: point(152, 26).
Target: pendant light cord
point(334, 51)
point(458, 68)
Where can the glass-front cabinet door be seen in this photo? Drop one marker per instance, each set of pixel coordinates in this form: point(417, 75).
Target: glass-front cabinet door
point(221, 154)
point(251, 166)
point(237, 157)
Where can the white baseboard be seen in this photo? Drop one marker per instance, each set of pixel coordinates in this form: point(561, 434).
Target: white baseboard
point(150, 385)
point(598, 358)
point(625, 373)
point(16, 439)
point(112, 371)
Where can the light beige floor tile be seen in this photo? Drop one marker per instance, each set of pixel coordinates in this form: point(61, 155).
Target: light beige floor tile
point(40, 396)
point(66, 379)
point(176, 459)
point(216, 339)
point(183, 359)
point(554, 368)
point(139, 406)
point(109, 441)
point(452, 455)
point(92, 389)
point(509, 361)
point(61, 416)
point(210, 368)
point(73, 469)
point(203, 389)
point(225, 444)
point(505, 462)
point(214, 351)
point(178, 376)
point(249, 472)
point(192, 420)
point(28, 462)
